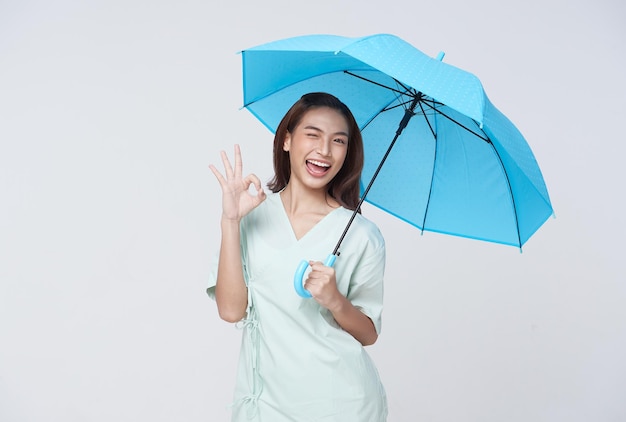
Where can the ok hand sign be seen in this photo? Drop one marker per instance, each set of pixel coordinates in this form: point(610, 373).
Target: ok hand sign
point(237, 201)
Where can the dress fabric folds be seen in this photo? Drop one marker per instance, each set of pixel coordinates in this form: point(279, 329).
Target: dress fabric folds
point(296, 363)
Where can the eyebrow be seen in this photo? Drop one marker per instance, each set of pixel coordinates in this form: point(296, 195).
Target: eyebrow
point(320, 130)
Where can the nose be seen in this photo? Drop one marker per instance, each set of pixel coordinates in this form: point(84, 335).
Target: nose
point(323, 147)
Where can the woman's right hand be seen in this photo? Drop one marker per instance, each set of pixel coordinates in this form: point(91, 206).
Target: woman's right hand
point(237, 201)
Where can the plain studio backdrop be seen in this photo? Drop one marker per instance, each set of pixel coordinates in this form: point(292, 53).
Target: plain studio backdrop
point(111, 112)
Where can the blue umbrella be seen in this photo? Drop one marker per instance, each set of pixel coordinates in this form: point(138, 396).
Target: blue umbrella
point(443, 157)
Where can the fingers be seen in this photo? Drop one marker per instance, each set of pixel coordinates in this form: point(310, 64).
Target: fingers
point(252, 179)
point(227, 167)
point(314, 264)
point(319, 270)
point(232, 182)
point(217, 174)
point(321, 283)
point(238, 161)
point(229, 172)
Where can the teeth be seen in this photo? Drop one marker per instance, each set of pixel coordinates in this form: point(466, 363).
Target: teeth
point(319, 163)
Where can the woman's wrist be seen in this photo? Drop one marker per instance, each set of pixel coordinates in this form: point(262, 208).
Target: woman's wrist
point(228, 220)
point(339, 304)
point(229, 225)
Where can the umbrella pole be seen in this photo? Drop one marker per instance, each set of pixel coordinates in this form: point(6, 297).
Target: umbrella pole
point(408, 113)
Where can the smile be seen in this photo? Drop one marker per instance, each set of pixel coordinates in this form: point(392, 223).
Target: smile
point(317, 167)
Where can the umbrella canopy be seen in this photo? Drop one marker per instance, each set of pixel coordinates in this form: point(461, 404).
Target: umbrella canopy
point(456, 165)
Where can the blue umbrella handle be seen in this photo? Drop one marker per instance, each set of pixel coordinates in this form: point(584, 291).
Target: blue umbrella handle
point(298, 278)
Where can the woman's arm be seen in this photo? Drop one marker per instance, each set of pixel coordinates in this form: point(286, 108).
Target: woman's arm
point(231, 293)
point(355, 322)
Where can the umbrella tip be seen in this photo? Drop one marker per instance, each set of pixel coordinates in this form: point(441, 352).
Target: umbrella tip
point(440, 55)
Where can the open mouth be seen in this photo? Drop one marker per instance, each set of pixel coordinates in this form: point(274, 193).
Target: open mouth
point(317, 167)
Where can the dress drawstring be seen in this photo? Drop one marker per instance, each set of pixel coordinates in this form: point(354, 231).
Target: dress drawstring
point(250, 325)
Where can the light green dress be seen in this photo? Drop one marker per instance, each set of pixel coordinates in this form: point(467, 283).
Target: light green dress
point(296, 363)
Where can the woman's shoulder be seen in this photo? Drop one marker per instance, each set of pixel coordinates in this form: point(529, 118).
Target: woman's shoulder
point(364, 228)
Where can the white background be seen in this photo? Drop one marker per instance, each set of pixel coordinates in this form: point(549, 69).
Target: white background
point(111, 111)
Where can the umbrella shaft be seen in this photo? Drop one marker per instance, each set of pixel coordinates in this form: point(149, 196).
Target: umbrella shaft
point(408, 113)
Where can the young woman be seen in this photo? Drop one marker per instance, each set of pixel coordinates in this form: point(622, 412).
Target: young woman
point(302, 359)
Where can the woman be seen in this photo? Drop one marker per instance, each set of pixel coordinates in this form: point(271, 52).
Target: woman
point(302, 359)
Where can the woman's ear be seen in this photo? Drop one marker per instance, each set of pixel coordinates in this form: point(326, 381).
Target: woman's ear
point(287, 142)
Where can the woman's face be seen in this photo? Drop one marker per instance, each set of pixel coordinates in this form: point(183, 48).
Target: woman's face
point(317, 147)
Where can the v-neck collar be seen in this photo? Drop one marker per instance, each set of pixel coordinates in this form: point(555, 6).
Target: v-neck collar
point(279, 203)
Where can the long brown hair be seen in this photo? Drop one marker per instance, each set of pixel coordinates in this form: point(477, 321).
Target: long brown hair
point(344, 187)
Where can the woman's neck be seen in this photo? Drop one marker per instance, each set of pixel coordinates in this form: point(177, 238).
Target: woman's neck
point(298, 201)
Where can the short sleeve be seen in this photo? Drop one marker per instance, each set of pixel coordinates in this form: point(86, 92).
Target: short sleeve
point(366, 281)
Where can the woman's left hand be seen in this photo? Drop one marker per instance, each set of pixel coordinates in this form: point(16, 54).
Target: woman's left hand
point(322, 285)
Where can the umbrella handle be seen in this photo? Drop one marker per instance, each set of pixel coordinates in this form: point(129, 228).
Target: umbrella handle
point(298, 278)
